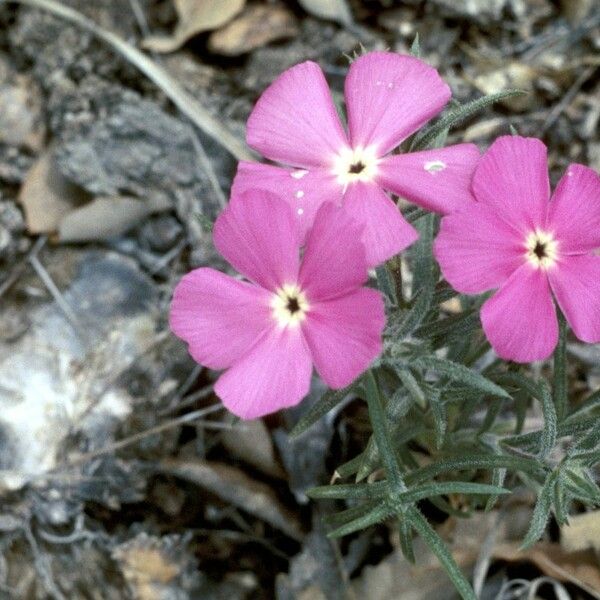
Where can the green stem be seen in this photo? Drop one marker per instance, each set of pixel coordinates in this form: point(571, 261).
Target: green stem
point(382, 434)
point(560, 383)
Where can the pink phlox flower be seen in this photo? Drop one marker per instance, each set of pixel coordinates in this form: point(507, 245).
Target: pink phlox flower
point(536, 249)
point(291, 314)
point(388, 97)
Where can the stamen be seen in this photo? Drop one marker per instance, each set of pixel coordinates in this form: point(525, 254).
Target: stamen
point(541, 249)
point(355, 164)
point(293, 305)
point(289, 306)
point(356, 168)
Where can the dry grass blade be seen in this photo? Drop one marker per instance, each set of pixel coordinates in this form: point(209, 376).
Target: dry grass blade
point(178, 95)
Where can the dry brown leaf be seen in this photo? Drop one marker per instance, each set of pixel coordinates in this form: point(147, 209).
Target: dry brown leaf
point(47, 196)
point(252, 443)
point(104, 218)
point(582, 532)
point(194, 17)
point(235, 487)
point(579, 568)
point(333, 10)
point(257, 26)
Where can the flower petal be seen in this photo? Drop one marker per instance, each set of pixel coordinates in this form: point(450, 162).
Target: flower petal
point(438, 180)
point(520, 319)
point(476, 250)
point(389, 96)
point(218, 316)
point(344, 335)
point(303, 190)
point(575, 282)
point(574, 212)
point(295, 121)
point(512, 177)
point(256, 233)
point(273, 375)
point(386, 230)
point(334, 261)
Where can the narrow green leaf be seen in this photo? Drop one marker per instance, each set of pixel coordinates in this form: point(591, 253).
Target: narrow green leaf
point(415, 48)
point(440, 417)
point(349, 491)
point(437, 546)
point(381, 432)
point(583, 485)
point(453, 326)
point(400, 434)
point(406, 322)
point(379, 513)
point(459, 115)
point(328, 401)
point(550, 430)
point(406, 545)
point(498, 477)
point(350, 514)
point(541, 512)
point(412, 386)
point(475, 460)
point(560, 511)
point(413, 213)
point(385, 283)
point(460, 373)
point(443, 488)
point(350, 467)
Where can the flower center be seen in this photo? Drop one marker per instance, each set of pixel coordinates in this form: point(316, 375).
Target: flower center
point(355, 164)
point(289, 305)
point(542, 249)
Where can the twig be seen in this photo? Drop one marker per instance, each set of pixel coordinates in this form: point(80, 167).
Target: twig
point(19, 268)
point(56, 294)
point(189, 417)
point(566, 100)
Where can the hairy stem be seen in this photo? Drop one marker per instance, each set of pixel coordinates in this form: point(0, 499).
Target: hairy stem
point(560, 384)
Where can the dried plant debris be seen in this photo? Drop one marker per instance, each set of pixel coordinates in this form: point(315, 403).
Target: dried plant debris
point(257, 26)
point(193, 18)
point(157, 568)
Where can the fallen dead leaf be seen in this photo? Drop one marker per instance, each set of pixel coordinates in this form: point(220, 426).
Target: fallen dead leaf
point(579, 568)
point(235, 487)
point(257, 26)
point(332, 10)
point(582, 532)
point(47, 196)
point(104, 218)
point(252, 443)
point(194, 17)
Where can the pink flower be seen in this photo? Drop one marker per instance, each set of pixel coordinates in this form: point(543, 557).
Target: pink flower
point(293, 314)
point(388, 97)
point(532, 247)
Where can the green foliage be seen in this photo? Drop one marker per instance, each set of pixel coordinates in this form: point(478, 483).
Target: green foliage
point(448, 418)
point(448, 421)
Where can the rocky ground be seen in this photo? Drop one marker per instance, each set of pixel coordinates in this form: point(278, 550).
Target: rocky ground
point(120, 475)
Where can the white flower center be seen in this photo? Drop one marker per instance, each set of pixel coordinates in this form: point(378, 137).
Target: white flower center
point(542, 249)
point(289, 305)
point(355, 164)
